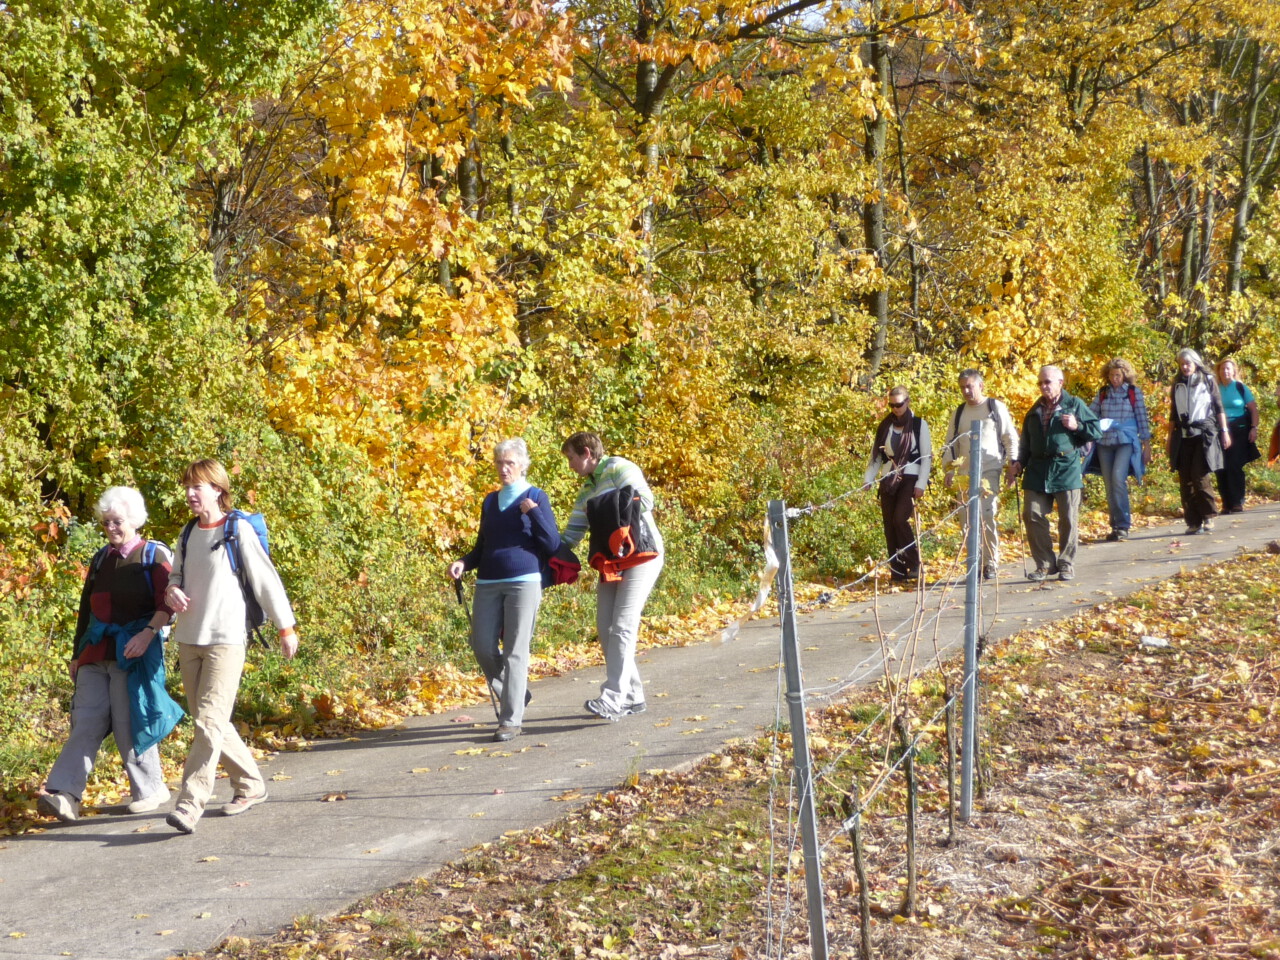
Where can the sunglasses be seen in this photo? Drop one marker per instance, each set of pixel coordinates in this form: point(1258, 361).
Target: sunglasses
point(900, 403)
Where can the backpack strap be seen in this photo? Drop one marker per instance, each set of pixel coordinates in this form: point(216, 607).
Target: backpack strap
point(916, 423)
point(96, 562)
point(993, 414)
point(149, 561)
point(231, 541)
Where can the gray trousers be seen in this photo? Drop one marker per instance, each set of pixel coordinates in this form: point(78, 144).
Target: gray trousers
point(502, 620)
point(101, 706)
point(1036, 508)
point(619, 606)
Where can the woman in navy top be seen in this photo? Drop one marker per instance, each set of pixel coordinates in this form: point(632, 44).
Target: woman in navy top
point(1242, 420)
point(517, 537)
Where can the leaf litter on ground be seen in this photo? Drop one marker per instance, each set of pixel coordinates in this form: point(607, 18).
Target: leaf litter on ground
point(1128, 809)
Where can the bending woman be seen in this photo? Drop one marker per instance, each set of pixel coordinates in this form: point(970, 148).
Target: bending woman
point(619, 602)
point(118, 666)
point(212, 634)
point(517, 537)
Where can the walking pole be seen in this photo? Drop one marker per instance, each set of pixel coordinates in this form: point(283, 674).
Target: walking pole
point(462, 600)
point(1022, 526)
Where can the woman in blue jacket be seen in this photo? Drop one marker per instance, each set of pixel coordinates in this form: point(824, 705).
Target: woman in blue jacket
point(517, 537)
point(1125, 446)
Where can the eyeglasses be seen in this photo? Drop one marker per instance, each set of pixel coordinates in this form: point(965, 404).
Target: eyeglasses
point(1045, 383)
point(114, 524)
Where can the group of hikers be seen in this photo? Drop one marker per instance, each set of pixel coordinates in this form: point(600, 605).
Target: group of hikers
point(219, 581)
point(1213, 432)
point(220, 584)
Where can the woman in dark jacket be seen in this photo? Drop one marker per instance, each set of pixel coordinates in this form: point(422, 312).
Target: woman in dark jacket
point(517, 537)
point(118, 664)
point(1197, 438)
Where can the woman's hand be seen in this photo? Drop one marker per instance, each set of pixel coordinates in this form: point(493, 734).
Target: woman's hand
point(527, 504)
point(288, 643)
point(73, 666)
point(457, 569)
point(139, 642)
point(176, 600)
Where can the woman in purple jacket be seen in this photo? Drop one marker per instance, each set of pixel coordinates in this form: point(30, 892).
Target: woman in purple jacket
point(517, 537)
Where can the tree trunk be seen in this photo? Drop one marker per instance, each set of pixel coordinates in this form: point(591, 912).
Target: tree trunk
point(1240, 222)
point(873, 229)
point(1156, 256)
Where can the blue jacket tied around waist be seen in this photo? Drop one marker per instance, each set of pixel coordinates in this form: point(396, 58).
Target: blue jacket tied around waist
point(152, 712)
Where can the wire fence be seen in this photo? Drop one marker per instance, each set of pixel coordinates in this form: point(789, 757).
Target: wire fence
point(892, 736)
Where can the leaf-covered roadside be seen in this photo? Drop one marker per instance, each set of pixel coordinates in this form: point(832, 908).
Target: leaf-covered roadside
point(1129, 811)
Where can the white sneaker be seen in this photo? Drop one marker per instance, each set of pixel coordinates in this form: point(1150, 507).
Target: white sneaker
point(147, 804)
point(61, 805)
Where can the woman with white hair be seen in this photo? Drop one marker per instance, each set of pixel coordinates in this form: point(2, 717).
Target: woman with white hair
point(118, 664)
point(517, 538)
point(1198, 435)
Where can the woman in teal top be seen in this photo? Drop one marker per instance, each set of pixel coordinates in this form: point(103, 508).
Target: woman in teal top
point(1242, 421)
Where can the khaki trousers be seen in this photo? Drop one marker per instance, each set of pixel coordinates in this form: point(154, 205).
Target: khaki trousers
point(1036, 508)
point(211, 679)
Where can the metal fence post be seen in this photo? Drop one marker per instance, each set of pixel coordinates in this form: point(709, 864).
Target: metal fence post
point(799, 734)
point(969, 744)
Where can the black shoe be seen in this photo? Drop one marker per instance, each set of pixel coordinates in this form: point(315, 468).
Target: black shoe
point(1113, 536)
point(506, 731)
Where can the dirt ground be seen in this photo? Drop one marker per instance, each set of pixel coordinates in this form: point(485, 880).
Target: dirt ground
point(1129, 809)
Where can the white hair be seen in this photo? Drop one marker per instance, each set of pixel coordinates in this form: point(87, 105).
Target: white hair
point(125, 501)
point(1052, 371)
point(515, 449)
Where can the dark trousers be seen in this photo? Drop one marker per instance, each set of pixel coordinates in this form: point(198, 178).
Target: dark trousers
point(1231, 476)
point(1198, 502)
point(896, 508)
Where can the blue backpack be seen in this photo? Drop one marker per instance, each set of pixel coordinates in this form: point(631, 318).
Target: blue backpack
point(254, 615)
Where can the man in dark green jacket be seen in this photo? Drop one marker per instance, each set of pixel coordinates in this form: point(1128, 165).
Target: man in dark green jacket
point(1055, 429)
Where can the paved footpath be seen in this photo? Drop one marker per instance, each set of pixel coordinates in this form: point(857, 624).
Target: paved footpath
point(129, 887)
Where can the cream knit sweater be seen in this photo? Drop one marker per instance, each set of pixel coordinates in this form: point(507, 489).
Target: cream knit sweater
point(217, 610)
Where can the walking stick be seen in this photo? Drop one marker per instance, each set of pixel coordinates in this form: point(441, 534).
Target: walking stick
point(1022, 526)
point(462, 600)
